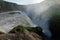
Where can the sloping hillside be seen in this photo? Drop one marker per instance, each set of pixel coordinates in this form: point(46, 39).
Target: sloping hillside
point(7, 6)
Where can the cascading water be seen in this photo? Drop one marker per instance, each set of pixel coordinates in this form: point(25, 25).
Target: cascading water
point(8, 20)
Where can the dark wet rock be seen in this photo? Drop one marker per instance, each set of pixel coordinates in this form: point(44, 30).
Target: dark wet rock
point(55, 23)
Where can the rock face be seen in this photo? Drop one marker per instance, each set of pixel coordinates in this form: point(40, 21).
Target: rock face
point(55, 22)
point(22, 35)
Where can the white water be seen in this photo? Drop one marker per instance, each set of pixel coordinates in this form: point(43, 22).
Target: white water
point(9, 21)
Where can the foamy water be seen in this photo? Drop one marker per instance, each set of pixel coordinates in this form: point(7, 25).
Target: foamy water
point(9, 21)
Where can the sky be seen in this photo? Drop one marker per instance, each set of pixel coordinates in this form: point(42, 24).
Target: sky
point(25, 2)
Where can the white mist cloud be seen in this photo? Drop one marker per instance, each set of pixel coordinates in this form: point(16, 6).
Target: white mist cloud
point(25, 2)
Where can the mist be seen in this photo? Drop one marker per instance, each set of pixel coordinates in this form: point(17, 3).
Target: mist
point(41, 13)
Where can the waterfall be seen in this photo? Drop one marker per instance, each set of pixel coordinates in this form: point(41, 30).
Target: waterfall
point(9, 20)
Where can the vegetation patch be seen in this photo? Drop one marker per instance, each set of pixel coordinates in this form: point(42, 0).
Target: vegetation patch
point(37, 29)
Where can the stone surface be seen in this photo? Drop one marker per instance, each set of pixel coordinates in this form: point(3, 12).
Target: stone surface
point(22, 35)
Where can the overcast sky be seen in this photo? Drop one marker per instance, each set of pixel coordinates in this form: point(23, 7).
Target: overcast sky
point(25, 2)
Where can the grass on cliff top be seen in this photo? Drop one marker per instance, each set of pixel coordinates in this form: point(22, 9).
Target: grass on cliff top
point(31, 29)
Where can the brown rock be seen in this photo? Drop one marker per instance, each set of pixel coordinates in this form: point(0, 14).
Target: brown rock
point(22, 35)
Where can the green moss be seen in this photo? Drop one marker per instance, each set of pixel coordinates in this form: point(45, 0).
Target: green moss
point(29, 28)
point(17, 29)
point(37, 29)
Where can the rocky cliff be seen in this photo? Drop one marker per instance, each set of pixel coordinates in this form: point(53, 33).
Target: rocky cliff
point(22, 35)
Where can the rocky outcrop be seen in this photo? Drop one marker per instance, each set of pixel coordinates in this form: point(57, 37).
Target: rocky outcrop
point(22, 35)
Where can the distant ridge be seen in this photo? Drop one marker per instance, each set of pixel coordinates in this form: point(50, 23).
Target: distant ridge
point(8, 6)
